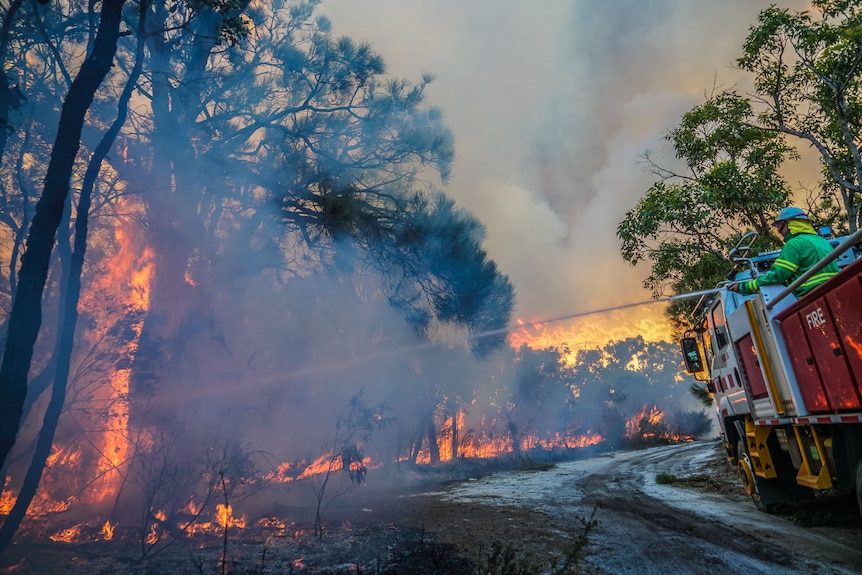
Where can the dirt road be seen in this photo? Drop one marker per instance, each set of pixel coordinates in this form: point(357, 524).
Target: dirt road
point(450, 520)
point(648, 528)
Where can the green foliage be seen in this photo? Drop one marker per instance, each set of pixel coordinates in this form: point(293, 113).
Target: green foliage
point(807, 70)
point(686, 223)
point(666, 479)
point(701, 393)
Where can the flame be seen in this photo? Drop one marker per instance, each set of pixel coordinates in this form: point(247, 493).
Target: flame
point(67, 456)
point(486, 443)
point(278, 527)
point(560, 441)
point(137, 274)
point(7, 499)
point(593, 331)
point(153, 535)
point(223, 519)
point(90, 467)
point(280, 475)
point(189, 279)
point(649, 424)
point(224, 515)
point(68, 535)
point(193, 509)
point(108, 531)
point(326, 463)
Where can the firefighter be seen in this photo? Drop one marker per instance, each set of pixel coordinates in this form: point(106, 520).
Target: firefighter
point(803, 248)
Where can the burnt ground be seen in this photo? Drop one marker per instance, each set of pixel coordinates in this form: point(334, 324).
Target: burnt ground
point(605, 514)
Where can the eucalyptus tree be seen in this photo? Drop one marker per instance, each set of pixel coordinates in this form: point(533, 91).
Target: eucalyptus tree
point(807, 70)
point(687, 221)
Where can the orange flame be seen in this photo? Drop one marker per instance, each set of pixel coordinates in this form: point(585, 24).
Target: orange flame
point(126, 280)
point(224, 515)
point(189, 279)
point(7, 499)
point(68, 535)
point(593, 331)
point(193, 509)
point(153, 536)
point(280, 475)
point(108, 531)
point(486, 444)
point(326, 463)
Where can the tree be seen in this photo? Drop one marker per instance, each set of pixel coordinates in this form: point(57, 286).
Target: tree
point(11, 97)
point(686, 223)
point(427, 248)
point(807, 69)
point(25, 317)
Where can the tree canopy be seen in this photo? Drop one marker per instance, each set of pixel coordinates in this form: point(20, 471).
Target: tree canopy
point(808, 85)
point(687, 221)
point(735, 147)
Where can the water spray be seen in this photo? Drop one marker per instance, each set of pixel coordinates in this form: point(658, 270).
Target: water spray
point(353, 362)
point(494, 332)
point(598, 311)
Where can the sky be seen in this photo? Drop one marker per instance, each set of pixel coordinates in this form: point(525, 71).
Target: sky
point(552, 105)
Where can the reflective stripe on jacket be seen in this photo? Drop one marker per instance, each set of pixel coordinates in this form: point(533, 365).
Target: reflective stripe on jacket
point(802, 250)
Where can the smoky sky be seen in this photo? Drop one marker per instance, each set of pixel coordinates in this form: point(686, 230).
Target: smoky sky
point(553, 105)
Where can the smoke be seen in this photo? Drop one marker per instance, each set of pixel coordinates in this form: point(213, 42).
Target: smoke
point(552, 107)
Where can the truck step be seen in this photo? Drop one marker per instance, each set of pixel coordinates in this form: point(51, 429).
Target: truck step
point(761, 459)
point(813, 473)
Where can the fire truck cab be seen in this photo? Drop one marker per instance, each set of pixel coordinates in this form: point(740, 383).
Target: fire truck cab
point(786, 378)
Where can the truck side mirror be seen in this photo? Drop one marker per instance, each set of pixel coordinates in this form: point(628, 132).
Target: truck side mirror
point(691, 355)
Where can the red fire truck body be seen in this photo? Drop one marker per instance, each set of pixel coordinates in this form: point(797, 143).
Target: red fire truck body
point(786, 376)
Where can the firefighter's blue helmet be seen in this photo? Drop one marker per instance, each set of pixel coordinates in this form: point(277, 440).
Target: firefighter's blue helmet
point(791, 213)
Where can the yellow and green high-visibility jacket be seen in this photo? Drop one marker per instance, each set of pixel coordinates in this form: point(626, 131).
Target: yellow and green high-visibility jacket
point(802, 249)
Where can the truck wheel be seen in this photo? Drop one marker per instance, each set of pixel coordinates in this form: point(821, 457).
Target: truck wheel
point(758, 489)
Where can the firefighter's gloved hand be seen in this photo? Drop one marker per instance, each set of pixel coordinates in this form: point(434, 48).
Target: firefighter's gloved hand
point(734, 287)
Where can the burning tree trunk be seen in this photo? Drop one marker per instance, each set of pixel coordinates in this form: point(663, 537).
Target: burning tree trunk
point(25, 318)
point(426, 430)
point(69, 313)
point(454, 448)
point(514, 431)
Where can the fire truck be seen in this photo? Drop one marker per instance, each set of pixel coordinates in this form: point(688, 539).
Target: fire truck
point(786, 377)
